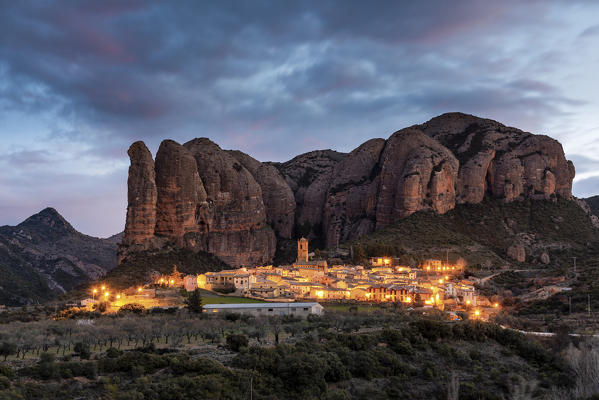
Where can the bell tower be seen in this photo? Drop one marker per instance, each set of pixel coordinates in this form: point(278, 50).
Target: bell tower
point(302, 250)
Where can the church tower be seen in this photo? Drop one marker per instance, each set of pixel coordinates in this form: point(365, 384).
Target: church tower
point(302, 250)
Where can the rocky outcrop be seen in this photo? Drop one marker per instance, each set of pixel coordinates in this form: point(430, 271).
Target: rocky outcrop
point(501, 161)
point(277, 196)
point(417, 173)
point(350, 206)
point(206, 201)
point(180, 191)
point(141, 205)
point(225, 202)
point(517, 252)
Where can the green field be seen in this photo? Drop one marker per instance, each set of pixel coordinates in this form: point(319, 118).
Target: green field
point(213, 298)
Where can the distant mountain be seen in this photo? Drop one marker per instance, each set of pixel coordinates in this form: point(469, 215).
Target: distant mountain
point(593, 203)
point(44, 256)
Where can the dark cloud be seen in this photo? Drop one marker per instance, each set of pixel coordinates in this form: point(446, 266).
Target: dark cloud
point(271, 78)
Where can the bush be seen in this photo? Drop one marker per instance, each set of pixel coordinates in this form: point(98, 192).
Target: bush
point(4, 383)
point(113, 353)
point(132, 308)
point(237, 342)
point(82, 350)
point(5, 370)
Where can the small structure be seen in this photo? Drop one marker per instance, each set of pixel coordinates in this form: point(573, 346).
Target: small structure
point(302, 250)
point(267, 309)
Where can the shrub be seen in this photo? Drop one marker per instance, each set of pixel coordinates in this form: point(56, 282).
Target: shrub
point(113, 353)
point(83, 350)
point(236, 342)
point(132, 308)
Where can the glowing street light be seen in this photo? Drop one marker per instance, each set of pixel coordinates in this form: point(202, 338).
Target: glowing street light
point(476, 312)
point(496, 305)
point(118, 296)
point(139, 289)
point(103, 287)
point(106, 294)
point(94, 293)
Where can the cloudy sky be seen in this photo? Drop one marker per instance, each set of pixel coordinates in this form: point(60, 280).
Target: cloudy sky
point(80, 81)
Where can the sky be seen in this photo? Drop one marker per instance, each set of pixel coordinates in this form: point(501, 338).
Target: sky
point(82, 80)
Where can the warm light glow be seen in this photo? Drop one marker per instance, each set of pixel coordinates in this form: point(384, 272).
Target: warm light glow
point(172, 281)
point(428, 268)
point(139, 289)
point(496, 305)
point(161, 280)
point(320, 294)
point(106, 294)
point(387, 296)
point(95, 290)
point(477, 313)
point(367, 295)
point(429, 301)
point(437, 297)
point(118, 296)
point(467, 301)
point(446, 276)
point(409, 299)
point(103, 287)
point(440, 280)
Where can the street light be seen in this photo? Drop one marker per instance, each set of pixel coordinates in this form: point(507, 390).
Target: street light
point(94, 293)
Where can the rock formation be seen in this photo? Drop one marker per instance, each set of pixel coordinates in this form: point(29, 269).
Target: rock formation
point(206, 201)
point(226, 202)
point(141, 209)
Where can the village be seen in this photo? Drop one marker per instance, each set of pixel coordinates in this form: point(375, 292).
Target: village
point(432, 284)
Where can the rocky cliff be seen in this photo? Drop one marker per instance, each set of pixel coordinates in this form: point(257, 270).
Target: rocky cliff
point(229, 204)
point(206, 201)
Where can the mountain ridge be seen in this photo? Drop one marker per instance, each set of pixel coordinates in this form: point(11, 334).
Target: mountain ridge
point(44, 256)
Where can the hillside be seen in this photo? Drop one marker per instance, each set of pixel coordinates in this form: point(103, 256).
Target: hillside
point(44, 256)
point(483, 233)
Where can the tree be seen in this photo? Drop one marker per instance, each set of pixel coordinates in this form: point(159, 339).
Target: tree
point(194, 302)
point(7, 349)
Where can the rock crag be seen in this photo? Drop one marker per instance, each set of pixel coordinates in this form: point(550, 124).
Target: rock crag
point(227, 203)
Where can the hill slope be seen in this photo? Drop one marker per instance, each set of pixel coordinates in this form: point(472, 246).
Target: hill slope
point(483, 233)
point(44, 256)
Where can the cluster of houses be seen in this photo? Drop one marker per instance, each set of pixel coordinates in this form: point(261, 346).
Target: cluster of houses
point(435, 283)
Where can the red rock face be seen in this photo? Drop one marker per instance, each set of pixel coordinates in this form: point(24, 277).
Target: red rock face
point(203, 199)
point(277, 196)
point(180, 191)
point(141, 205)
point(225, 202)
point(417, 173)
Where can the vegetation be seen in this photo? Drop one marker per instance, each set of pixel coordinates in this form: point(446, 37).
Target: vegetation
point(383, 354)
point(194, 302)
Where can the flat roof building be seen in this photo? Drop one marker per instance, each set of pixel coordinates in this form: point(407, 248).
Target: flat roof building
point(267, 309)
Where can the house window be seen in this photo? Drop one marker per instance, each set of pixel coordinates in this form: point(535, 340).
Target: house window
point(306, 308)
point(270, 309)
point(293, 309)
